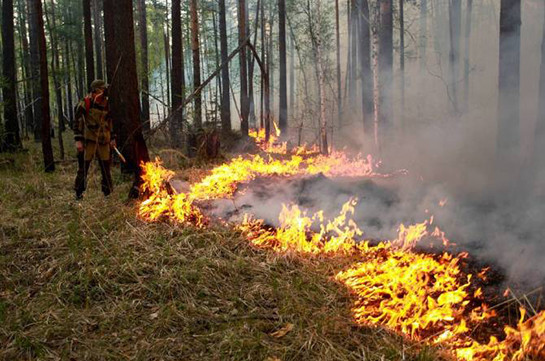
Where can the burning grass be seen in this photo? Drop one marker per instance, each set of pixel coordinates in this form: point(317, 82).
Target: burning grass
point(423, 296)
point(90, 281)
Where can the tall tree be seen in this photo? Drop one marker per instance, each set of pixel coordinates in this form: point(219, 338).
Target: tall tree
point(385, 63)
point(455, 26)
point(144, 80)
point(244, 101)
point(283, 91)
point(55, 72)
point(467, 36)
point(509, 80)
point(352, 87)
point(402, 59)
point(225, 82)
point(177, 75)
point(9, 85)
point(124, 102)
point(97, 19)
point(88, 34)
point(35, 71)
point(196, 49)
point(37, 36)
point(537, 165)
point(365, 62)
point(25, 68)
point(338, 58)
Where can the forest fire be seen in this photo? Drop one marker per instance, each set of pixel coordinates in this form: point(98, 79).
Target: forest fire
point(426, 297)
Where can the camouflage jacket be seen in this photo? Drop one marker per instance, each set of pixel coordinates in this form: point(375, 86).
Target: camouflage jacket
point(93, 121)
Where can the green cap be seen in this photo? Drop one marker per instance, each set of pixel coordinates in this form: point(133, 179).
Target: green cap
point(98, 84)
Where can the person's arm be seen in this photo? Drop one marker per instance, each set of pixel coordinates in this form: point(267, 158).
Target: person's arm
point(79, 124)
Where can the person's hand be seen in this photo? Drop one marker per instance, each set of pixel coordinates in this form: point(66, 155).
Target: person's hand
point(79, 146)
point(113, 143)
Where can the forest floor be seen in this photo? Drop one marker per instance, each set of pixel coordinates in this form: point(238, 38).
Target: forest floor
point(89, 280)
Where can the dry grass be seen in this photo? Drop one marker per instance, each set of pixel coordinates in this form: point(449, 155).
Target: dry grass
point(90, 281)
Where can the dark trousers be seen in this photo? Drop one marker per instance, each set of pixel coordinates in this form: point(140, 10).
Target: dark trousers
point(83, 170)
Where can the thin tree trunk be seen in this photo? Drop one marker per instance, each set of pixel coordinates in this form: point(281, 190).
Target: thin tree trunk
point(70, 103)
point(244, 101)
point(88, 34)
point(166, 43)
point(509, 82)
point(55, 67)
point(195, 47)
point(353, 52)
point(9, 86)
point(338, 54)
point(144, 82)
point(455, 24)
point(292, 77)
point(97, 18)
point(385, 64)
point(402, 60)
point(423, 33)
point(38, 37)
point(537, 165)
point(29, 114)
point(225, 99)
point(366, 71)
point(321, 83)
point(124, 89)
point(35, 71)
point(283, 103)
point(177, 76)
point(467, 38)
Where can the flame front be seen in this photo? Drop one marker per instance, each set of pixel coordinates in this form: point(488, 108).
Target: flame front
point(424, 296)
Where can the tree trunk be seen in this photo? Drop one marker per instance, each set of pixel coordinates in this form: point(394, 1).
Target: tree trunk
point(88, 34)
point(537, 165)
point(55, 67)
point(244, 101)
point(423, 33)
point(509, 81)
point(9, 85)
point(37, 37)
point(283, 91)
point(353, 52)
point(196, 49)
point(29, 114)
point(321, 83)
point(177, 76)
point(385, 64)
point(292, 77)
point(225, 99)
point(402, 60)
point(143, 27)
point(338, 57)
point(365, 62)
point(124, 104)
point(455, 24)
point(35, 71)
point(467, 37)
point(97, 18)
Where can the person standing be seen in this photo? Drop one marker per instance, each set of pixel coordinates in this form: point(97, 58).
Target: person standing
point(94, 136)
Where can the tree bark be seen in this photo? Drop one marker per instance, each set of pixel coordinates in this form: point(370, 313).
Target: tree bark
point(366, 71)
point(144, 82)
point(402, 60)
point(321, 82)
point(225, 99)
point(537, 165)
point(196, 49)
point(55, 67)
point(385, 64)
point(88, 34)
point(38, 38)
point(509, 81)
point(353, 88)
point(455, 25)
point(177, 76)
point(283, 91)
point(97, 18)
point(338, 57)
point(467, 37)
point(25, 68)
point(9, 86)
point(244, 101)
point(123, 95)
point(35, 71)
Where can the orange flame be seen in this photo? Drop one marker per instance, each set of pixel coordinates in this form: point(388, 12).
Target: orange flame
point(426, 297)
